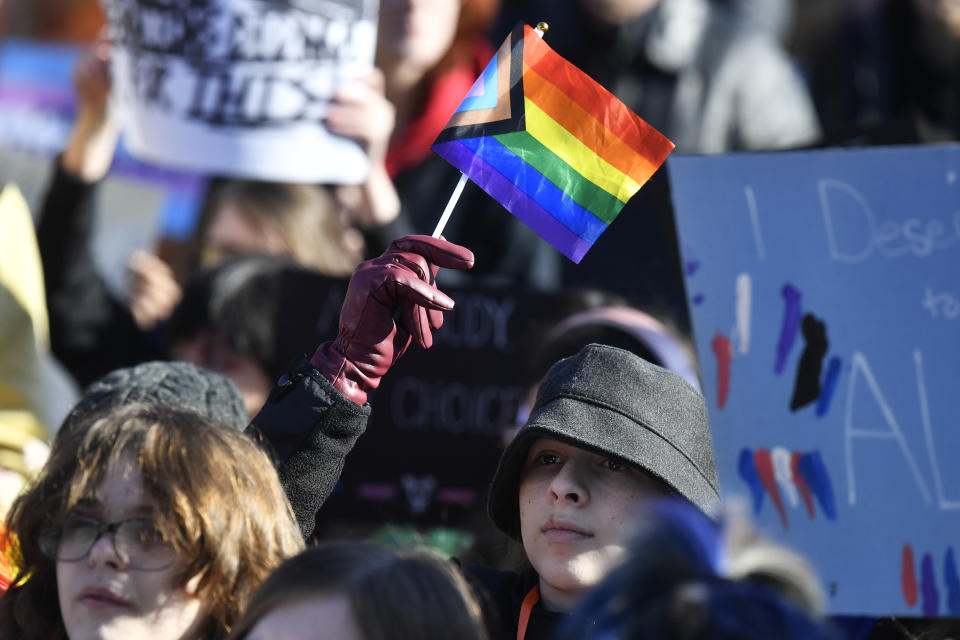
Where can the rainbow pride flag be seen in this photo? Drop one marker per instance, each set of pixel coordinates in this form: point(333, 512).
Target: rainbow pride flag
point(555, 148)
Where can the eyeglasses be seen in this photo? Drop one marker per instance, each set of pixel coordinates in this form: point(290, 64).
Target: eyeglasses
point(137, 542)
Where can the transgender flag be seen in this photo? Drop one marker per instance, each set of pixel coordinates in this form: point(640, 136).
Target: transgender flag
point(555, 148)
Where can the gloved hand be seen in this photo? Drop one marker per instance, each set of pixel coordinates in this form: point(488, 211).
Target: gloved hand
point(390, 301)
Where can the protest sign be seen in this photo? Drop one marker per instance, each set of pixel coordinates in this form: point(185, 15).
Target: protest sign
point(439, 417)
point(240, 87)
point(825, 301)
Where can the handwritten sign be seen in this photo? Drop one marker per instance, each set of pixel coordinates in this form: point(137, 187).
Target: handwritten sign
point(240, 87)
point(824, 290)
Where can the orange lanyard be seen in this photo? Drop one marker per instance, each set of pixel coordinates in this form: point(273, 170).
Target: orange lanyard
point(532, 598)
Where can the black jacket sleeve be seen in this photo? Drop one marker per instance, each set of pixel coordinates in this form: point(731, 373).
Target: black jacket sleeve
point(309, 428)
point(91, 331)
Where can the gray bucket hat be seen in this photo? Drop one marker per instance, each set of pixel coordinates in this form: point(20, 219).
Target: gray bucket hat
point(179, 385)
point(611, 401)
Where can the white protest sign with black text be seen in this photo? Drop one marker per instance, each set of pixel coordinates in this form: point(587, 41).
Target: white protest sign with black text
point(240, 87)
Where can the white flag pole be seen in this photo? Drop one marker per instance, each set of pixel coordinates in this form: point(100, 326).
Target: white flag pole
point(542, 27)
point(451, 203)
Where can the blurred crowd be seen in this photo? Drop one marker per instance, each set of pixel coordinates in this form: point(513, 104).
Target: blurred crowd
point(181, 494)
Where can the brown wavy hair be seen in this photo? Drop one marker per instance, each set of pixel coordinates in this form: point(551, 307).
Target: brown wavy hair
point(219, 500)
point(406, 594)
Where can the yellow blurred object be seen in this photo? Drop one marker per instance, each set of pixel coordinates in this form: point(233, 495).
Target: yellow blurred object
point(24, 340)
point(21, 272)
point(9, 552)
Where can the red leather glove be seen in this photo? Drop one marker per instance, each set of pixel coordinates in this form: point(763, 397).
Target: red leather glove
point(390, 301)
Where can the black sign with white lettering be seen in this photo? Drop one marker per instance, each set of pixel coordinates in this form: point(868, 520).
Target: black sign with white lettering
point(440, 415)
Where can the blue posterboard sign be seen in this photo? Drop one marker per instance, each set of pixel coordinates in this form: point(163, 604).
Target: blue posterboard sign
point(824, 290)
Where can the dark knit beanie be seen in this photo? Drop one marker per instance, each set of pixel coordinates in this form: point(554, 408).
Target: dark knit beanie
point(179, 385)
point(613, 402)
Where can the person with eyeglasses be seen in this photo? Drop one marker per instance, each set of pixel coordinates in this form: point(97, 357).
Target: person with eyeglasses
point(146, 522)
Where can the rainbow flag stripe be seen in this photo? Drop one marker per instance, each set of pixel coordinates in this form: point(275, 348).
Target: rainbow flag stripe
point(555, 148)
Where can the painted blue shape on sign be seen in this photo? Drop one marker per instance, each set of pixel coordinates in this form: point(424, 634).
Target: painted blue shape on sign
point(953, 583)
point(829, 384)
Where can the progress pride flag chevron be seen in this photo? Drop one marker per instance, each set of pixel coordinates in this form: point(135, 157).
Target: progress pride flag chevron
point(555, 148)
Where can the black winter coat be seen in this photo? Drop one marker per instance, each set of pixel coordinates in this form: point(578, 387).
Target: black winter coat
point(309, 428)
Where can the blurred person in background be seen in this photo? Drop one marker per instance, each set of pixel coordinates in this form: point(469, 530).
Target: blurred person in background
point(683, 579)
point(241, 216)
point(57, 20)
point(244, 217)
point(93, 331)
point(237, 319)
point(701, 72)
point(773, 16)
point(428, 56)
point(362, 591)
point(233, 319)
point(889, 73)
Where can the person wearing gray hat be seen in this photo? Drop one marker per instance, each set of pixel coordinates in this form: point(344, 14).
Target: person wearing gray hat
point(611, 402)
point(608, 431)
